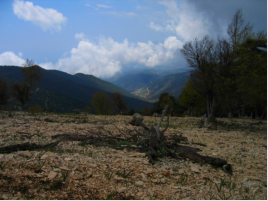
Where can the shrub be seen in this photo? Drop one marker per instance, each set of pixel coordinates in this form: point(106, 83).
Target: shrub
point(35, 109)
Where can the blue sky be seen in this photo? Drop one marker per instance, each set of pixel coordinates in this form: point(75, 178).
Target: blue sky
point(106, 36)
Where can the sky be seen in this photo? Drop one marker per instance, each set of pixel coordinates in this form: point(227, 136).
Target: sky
point(104, 37)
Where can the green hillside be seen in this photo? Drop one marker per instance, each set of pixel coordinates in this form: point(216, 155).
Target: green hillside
point(68, 92)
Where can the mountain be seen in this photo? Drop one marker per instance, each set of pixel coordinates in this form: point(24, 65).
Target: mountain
point(140, 78)
point(94, 82)
point(135, 81)
point(69, 92)
point(172, 84)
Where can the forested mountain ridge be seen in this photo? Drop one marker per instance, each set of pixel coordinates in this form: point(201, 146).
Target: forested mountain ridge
point(67, 92)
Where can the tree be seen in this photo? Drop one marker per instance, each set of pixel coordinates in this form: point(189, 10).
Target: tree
point(191, 99)
point(237, 32)
point(28, 63)
point(21, 92)
point(146, 110)
point(202, 56)
point(3, 92)
point(164, 99)
point(119, 106)
point(100, 103)
point(246, 61)
point(251, 64)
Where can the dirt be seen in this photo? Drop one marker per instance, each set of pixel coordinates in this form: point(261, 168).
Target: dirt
point(75, 170)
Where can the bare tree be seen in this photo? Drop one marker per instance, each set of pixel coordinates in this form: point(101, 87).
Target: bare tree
point(32, 73)
point(202, 56)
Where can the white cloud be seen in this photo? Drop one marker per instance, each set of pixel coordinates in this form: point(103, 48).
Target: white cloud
point(46, 18)
point(156, 27)
point(119, 13)
point(91, 6)
point(103, 6)
point(10, 58)
point(139, 7)
point(47, 65)
point(171, 43)
point(80, 36)
point(185, 21)
point(107, 57)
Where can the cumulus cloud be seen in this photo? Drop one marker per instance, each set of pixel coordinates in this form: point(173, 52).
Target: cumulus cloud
point(171, 43)
point(46, 18)
point(10, 58)
point(185, 21)
point(107, 57)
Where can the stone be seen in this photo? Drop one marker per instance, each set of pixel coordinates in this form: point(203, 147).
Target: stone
point(149, 171)
point(122, 190)
point(136, 118)
point(44, 157)
point(254, 178)
point(144, 178)
point(5, 197)
point(181, 171)
point(139, 183)
point(118, 179)
point(92, 165)
point(26, 153)
point(139, 194)
point(48, 119)
point(163, 180)
point(194, 169)
point(52, 175)
point(248, 166)
point(49, 153)
point(56, 170)
point(249, 184)
point(65, 168)
point(69, 159)
point(166, 173)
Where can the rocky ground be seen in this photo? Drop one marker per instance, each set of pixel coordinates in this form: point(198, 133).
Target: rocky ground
point(75, 170)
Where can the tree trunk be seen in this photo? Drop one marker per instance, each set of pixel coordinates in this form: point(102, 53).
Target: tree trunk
point(211, 104)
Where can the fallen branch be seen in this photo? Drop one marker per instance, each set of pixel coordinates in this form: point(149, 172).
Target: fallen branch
point(191, 153)
point(26, 146)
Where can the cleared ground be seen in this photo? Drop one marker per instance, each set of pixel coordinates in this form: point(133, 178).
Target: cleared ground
point(75, 170)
